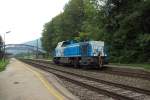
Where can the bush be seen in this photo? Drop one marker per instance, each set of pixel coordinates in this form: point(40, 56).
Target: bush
point(3, 64)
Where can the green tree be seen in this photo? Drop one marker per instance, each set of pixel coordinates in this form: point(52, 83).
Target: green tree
point(124, 25)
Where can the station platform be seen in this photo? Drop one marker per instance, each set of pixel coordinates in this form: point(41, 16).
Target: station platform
point(23, 82)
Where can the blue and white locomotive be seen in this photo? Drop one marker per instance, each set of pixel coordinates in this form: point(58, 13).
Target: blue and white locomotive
point(81, 53)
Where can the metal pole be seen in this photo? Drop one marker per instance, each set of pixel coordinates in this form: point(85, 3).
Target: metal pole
point(28, 54)
point(37, 50)
point(4, 47)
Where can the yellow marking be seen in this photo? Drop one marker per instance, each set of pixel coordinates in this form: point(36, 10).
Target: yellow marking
point(47, 85)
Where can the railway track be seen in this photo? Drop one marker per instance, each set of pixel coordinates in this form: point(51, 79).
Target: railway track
point(116, 70)
point(128, 72)
point(114, 90)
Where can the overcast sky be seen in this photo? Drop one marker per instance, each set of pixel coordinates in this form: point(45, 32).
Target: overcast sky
point(25, 18)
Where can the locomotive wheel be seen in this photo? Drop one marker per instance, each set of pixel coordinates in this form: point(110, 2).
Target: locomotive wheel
point(100, 62)
point(56, 60)
point(76, 63)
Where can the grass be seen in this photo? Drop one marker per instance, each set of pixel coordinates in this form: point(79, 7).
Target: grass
point(144, 65)
point(3, 64)
point(50, 58)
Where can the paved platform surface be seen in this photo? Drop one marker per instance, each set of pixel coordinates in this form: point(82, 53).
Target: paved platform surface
point(23, 82)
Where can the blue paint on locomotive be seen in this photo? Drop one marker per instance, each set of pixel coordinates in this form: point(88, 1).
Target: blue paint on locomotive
point(73, 49)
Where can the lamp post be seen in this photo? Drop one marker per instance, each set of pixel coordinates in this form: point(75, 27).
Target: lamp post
point(4, 44)
point(37, 49)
